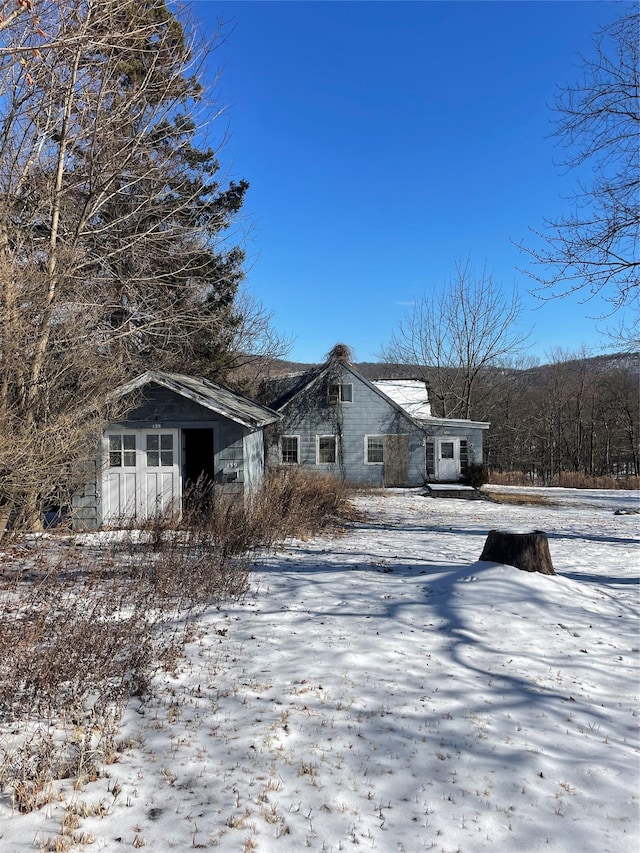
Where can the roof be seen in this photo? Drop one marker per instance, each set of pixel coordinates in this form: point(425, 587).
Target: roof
point(412, 397)
point(410, 394)
point(282, 389)
point(290, 386)
point(217, 398)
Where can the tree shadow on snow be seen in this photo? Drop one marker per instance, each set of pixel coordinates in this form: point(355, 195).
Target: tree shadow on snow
point(477, 652)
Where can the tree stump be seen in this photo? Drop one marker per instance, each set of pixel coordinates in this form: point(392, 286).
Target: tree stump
point(527, 551)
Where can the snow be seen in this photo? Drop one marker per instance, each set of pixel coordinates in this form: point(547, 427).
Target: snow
point(384, 690)
point(410, 394)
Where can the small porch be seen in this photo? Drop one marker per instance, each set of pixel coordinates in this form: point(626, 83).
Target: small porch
point(452, 490)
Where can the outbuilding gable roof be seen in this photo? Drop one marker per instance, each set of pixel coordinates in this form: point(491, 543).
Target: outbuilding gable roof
point(217, 398)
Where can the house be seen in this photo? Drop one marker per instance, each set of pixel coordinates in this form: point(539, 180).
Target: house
point(177, 431)
point(451, 444)
point(381, 433)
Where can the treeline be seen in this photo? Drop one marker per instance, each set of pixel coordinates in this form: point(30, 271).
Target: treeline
point(579, 415)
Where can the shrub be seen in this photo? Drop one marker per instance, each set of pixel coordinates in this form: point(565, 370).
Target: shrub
point(83, 628)
point(476, 475)
point(299, 503)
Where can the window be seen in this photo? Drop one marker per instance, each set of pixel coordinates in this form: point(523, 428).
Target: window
point(122, 451)
point(464, 454)
point(341, 393)
point(446, 450)
point(430, 457)
point(374, 449)
point(159, 450)
point(326, 449)
point(290, 449)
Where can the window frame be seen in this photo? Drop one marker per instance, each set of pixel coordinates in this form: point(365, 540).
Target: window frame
point(296, 439)
point(334, 438)
point(338, 397)
point(367, 449)
point(449, 444)
point(117, 448)
point(162, 455)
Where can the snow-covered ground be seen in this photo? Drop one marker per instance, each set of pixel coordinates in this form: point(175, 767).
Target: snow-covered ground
point(385, 691)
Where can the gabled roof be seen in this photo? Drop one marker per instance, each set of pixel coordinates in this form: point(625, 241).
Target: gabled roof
point(223, 401)
point(296, 384)
point(282, 389)
point(408, 396)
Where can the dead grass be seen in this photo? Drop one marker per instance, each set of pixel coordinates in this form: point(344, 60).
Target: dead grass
point(566, 480)
point(517, 499)
point(575, 480)
point(83, 627)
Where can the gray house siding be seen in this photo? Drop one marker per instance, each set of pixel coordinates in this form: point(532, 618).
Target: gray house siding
point(84, 503)
point(368, 413)
point(407, 449)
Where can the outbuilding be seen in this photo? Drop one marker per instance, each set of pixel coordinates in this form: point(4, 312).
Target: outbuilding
point(179, 431)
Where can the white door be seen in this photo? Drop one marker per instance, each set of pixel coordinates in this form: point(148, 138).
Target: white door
point(447, 459)
point(141, 475)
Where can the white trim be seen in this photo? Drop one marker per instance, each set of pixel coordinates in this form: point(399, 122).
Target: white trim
point(136, 492)
point(297, 439)
point(335, 443)
point(447, 468)
point(366, 448)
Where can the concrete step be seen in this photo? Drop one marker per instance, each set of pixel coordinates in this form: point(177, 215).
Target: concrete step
point(452, 490)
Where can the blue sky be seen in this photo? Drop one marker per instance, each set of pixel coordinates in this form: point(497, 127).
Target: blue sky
point(383, 142)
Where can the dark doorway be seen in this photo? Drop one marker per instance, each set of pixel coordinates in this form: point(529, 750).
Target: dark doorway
point(198, 470)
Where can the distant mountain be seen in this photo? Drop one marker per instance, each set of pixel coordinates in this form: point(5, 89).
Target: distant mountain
point(626, 362)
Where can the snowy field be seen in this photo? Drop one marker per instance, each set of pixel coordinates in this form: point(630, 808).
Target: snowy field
point(385, 691)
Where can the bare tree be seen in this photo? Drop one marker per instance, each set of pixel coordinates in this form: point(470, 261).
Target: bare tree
point(454, 333)
point(594, 248)
point(577, 414)
point(117, 250)
point(255, 344)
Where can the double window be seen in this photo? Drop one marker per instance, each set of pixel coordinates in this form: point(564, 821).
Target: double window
point(158, 450)
point(340, 393)
point(326, 449)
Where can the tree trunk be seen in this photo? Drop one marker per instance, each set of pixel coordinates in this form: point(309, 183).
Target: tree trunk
point(527, 551)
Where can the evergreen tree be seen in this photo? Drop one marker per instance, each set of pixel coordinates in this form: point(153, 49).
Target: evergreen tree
point(116, 241)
